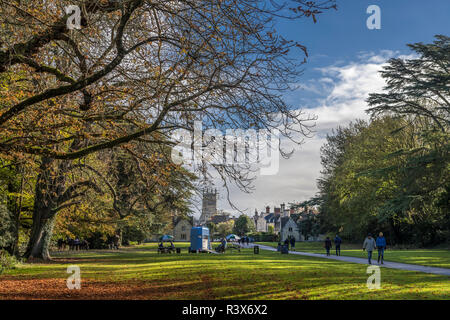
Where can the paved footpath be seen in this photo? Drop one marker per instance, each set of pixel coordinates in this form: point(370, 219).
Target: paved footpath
point(387, 264)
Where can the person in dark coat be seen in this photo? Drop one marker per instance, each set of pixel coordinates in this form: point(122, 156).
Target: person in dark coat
point(279, 246)
point(77, 244)
point(286, 243)
point(328, 245)
point(337, 245)
point(293, 243)
point(71, 244)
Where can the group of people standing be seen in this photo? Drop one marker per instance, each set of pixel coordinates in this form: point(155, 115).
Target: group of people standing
point(370, 244)
point(243, 240)
point(290, 240)
point(337, 245)
point(73, 244)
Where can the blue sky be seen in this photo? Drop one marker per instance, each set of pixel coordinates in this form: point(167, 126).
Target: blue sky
point(345, 58)
point(341, 34)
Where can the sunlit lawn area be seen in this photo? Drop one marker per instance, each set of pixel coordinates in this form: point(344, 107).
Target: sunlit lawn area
point(141, 273)
point(426, 257)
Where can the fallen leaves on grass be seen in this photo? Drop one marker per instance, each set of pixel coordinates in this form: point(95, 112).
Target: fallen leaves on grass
point(56, 289)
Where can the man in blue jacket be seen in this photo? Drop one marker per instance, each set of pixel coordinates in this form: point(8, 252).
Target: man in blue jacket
point(337, 245)
point(381, 245)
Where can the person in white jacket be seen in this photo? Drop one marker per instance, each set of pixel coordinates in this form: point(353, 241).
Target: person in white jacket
point(369, 245)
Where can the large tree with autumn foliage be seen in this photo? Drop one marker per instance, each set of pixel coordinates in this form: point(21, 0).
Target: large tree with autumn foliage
point(135, 71)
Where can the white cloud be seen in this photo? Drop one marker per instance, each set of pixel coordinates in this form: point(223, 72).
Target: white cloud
point(346, 88)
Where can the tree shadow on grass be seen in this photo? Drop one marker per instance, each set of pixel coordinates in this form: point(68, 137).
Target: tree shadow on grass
point(243, 275)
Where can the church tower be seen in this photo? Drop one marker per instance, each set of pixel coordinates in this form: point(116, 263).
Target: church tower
point(284, 212)
point(209, 205)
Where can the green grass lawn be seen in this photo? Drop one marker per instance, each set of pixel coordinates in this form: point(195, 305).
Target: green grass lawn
point(425, 257)
point(140, 273)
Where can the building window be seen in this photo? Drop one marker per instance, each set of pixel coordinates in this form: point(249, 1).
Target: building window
point(290, 229)
point(183, 236)
point(183, 228)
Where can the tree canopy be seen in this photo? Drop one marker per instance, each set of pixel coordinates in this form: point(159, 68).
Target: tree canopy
point(392, 174)
point(243, 225)
point(93, 109)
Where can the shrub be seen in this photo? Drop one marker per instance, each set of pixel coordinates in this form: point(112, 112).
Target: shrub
point(98, 240)
point(264, 237)
point(7, 261)
point(6, 225)
point(133, 233)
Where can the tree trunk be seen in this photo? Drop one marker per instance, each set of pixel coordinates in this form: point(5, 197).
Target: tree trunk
point(394, 234)
point(41, 233)
point(17, 213)
point(50, 186)
point(47, 192)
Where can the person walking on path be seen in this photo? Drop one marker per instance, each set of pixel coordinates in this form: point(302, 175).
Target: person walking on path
point(328, 245)
point(293, 243)
point(381, 245)
point(337, 245)
point(369, 244)
point(286, 243)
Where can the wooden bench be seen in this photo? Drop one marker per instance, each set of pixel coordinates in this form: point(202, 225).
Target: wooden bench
point(165, 249)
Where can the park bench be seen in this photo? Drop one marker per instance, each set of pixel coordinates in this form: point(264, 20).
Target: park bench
point(166, 249)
